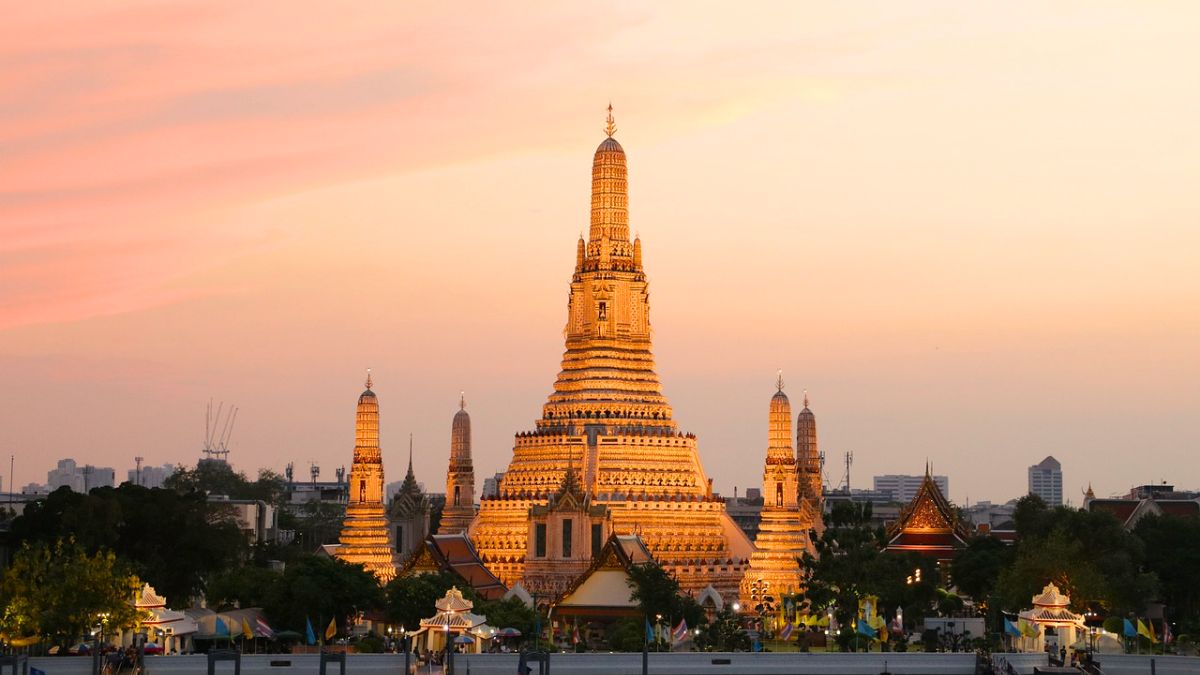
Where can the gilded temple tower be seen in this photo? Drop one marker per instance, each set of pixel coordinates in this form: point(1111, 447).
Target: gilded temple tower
point(608, 419)
point(460, 478)
point(786, 519)
point(808, 458)
point(366, 537)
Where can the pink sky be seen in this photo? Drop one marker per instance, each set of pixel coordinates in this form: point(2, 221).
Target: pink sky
point(970, 230)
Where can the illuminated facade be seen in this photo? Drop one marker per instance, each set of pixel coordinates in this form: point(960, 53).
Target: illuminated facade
point(460, 478)
point(929, 525)
point(787, 517)
point(608, 419)
point(366, 536)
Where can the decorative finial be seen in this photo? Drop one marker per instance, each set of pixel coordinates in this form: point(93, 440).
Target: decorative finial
point(611, 127)
point(410, 452)
point(779, 380)
point(462, 400)
point(369, 380)
point(805, 398)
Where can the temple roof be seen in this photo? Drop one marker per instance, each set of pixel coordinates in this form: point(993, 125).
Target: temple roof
point(605, 582)
point(929, 524)
point(455, 554)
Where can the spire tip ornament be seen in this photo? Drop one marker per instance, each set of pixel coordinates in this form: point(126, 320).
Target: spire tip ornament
point(610, 127)
point(369, 380)
point(779, 380)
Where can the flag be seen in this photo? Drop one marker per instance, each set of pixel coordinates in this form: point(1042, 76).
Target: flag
point(866, 630)
point(1028, 629)
point(331, 631)
point(1167, 633)
point(1011, 629)
point(309, 635)
point(1130, 631)
point(246, 632)
point(222, 629)
point(575, 635)
point(1144, 631)
point(649, 632)
point(679, 633)
point(264, 630)
point(786, 633)
point(866, 607)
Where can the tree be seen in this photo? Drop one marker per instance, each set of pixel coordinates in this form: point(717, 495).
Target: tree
point(506, 613)
point(976, 569)
point(173, 541)
point(654, 589)
point(409, 599)
point(61, 591)
point(1172, 548)
point(246, 586)
point(318, 587)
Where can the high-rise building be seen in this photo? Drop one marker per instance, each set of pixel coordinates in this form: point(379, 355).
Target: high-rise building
point(1045, 481)
point(904, 487)
point(785, 520)
point(366, 537)
point(460, 478)
point(608, 420)
point(151, 476)
point(79, 478)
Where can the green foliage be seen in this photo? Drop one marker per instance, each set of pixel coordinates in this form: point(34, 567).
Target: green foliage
point(409, 599)
point(173, 541)
point(61, 591)
point(851, 564)
point(1090, 556)
point(1115, 624)
point(976, 569)
point(507, 613)
point(318, 588)
point(655, 590)
point(627, 635)
point(725, 633)
point(1172, 547)
point(246, 586)
point(219, 478)
point(369, 644)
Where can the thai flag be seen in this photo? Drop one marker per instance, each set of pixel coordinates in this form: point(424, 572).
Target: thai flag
point(786, 633)
point(263, 630)
point(679, 633)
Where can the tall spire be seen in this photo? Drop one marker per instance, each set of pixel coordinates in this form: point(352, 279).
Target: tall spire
point(462, 400)
point(610, 126)
point(410, 469)
point(805, 398)
point(369, 380)
point(779, 380)
point(610, 214)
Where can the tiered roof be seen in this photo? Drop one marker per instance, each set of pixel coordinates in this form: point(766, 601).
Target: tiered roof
point(929, 524)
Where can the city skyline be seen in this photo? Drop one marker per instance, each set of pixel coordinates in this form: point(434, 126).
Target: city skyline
point(969, 233)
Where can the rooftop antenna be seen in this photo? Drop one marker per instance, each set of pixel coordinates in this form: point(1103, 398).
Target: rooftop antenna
point(849, 461)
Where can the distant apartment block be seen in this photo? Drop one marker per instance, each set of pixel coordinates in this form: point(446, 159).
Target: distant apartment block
point(1045, 481)
point(79, 478)
point(903, 488)
point(150, 476)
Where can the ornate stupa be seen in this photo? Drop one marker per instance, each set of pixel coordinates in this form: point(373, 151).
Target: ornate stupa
point(608, 418)
point(366, 538)
point(808, 460)
point(409, 512)
point(786, 518)
point(460, 478)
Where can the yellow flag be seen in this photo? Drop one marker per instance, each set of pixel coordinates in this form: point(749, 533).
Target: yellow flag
point(332, 630)
point(249, 634)
point(1145, 632)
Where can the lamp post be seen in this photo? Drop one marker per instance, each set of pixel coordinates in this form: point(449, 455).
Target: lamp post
point(449, 650)
point(657, 621)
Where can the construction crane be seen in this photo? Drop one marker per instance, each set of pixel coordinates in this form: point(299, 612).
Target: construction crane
point(216, 445)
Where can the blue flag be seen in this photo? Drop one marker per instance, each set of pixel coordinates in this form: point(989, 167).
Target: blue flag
point(1011, 629)
point(1130, 630)
point(864, 629)
point(649, 632)
point(309, 635)
point(222, 629)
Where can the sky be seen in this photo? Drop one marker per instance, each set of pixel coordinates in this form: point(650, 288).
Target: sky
point(969, 230)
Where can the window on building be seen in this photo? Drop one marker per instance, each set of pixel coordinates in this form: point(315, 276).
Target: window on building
point(539, 540)
point(596, 543)
point(566, 538)
point(457, 494)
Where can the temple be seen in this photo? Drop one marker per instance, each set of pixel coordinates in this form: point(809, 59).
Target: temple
point(366, 539)
point(409, 513)
point(608, 422)
point(788, 514)
point(929, 525)
point(460, 478)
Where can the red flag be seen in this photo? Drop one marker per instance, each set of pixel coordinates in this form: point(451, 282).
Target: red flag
point(575, 634)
